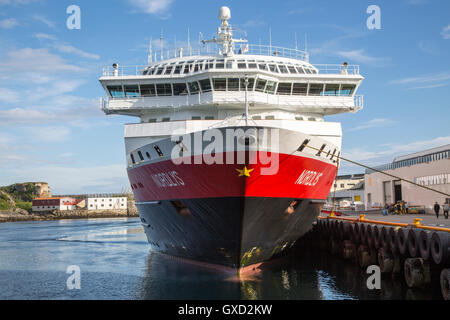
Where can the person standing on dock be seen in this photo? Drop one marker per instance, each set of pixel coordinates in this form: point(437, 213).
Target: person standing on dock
point(446, 208)
point(437, 208)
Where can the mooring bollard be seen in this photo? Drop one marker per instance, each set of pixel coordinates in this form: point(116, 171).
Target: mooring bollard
point(376, 232)
point(366, 257)
point(417, 272)
point(445, 283)
point(392, 239)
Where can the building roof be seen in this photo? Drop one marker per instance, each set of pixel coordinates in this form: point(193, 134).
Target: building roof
point(423, 153)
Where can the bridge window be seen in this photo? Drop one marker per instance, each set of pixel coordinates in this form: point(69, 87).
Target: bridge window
point(164, 89)
point(220, 84)
point(251, 84)
point(131, 91)
point(273, 68)
point(308, 70)
point(292, 69)
point(165, 120)
point(196, 67)
point(315, 89)
point(300, 69)
point(230, 64)
point(270, 117)
point(260, 85)
point(159, 71)
point(180, 89)
point(193, 87)
point(233, 84)
point(148, 90)
point(205, 85)
point(270, 88)
point(116, 91)
point(242, 65)
point(209, 118)
point(263, 66)
point(283, 68)
point(252, 65)
point(187, 68)
point(220, 64)
point(196, 118)
point(331, 90)
point(347, 89)
point(284, 88)
point(177, 69)
point(168, 70)
point(300, 89)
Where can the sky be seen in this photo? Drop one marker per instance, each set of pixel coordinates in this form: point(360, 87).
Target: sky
point(51, 127)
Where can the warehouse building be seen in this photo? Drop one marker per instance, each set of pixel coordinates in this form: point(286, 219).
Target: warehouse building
point(54, 203)
point(429, 168)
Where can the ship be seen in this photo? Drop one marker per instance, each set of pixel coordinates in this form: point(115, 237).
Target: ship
point(231, 161)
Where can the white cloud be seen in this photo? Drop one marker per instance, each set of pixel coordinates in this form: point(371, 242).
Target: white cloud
point(9, 23)
point(5, 2)
point(70, 49)
point(39, 61)
point(152, 6)
point(374, 123)
point(446, 32)
point(48, 134)
point(45, 21)
point(8, 95)
point(44, 36)
point(428, 81)
point(360, 56)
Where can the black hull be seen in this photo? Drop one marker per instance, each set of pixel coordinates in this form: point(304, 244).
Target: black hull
point(234, 232)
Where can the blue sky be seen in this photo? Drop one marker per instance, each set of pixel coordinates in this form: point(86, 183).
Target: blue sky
point(51, 128)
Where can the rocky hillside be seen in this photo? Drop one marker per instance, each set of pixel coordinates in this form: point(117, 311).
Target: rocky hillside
point(20, 195)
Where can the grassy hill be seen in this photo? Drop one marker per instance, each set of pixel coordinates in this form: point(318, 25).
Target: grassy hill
point(20, 195)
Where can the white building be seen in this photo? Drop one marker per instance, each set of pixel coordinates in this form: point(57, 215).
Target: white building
point(430, 168)
point(54, 203)
point(108, 203)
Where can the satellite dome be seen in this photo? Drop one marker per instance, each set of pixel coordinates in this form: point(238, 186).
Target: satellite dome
point(224, 13)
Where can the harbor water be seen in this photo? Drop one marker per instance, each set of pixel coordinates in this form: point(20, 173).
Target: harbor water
point(115, 262)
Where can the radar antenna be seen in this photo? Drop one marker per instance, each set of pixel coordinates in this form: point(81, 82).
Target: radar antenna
point(225, 34)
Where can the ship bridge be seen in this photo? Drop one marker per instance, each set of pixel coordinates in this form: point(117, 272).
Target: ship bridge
point(217, 80)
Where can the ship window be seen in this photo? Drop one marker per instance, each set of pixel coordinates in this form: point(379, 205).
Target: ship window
point(206, 67)
point(220, 64)
point(165, 120)
point(308, 70)
point(159, 71)
point(315, 89)
point(300, 89)
point(233, 84)
point(347, 89)
point(331, 90)
point(196, 118)
point(168, 70)
point(252, 65)
point(260, 85)
point(151, 120)
point(242, 65)
point(273, 68)
point(220, 84)
point(187, 68)
point(300, 69)
point(270, 118)
point(311, 119)
point(270, 88)
point(313, 71)
point(148, 90)
point(132, 158)
point(116, 91)
point(177, 69)
point(140, 156)
point(230, 64)
point(262, 67)
point(284, 88)
point(158, 151)
point(164, 89)
point(256, 117)
point(180, 89)
point(292, 69)
point(299, 118)
point(209, 118)
point(193, 87)
point(205, 84)
point(196, 67)
point(251, 84)
point(131, 91)
point(148, 155)
point(283, 69)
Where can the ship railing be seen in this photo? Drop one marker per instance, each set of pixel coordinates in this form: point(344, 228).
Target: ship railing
point(138, 70)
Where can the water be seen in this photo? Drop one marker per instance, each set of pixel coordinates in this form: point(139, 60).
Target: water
point(116, 263)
